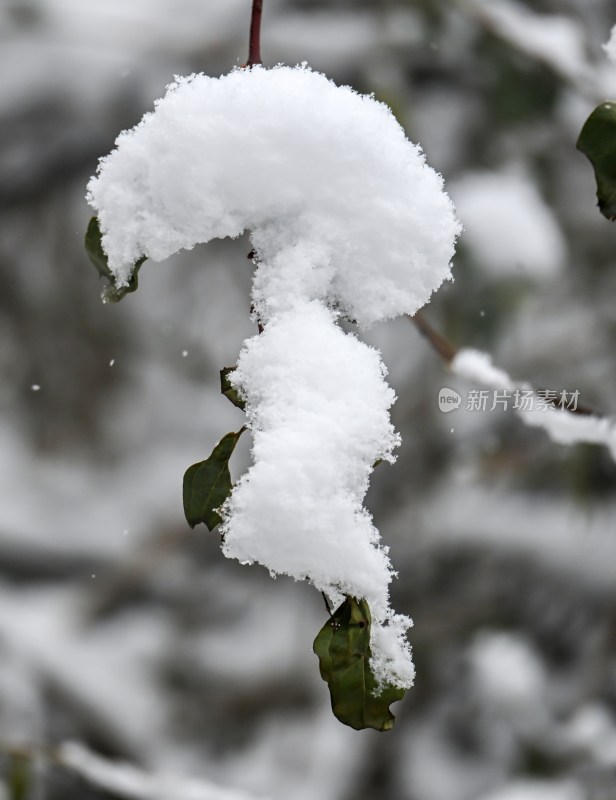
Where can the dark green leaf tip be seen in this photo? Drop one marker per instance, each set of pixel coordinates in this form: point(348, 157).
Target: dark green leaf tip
point(94, 248)
point(343, 648)
point(207, 484)
point(597, 141)
point(229, 391)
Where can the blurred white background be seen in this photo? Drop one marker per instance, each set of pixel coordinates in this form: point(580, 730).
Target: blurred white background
point(122, 629)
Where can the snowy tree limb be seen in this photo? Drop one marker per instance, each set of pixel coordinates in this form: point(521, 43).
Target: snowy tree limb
point(553, 40)
point(120, 778)
point(564, 425)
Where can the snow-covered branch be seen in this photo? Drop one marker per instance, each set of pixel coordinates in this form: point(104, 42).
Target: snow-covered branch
point(127, 781)
point(564, 425)
point(120, 778)
point(554, 40)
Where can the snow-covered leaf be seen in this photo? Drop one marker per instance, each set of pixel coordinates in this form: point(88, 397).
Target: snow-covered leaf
point(343, 648)
point(94, 248)
point(229, 390)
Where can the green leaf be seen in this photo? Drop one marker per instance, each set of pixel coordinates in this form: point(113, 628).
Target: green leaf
point(597, 141)
point(19, 778)
point(227, 388)
point(208, 484)
point(343, 648)
point(94, 248)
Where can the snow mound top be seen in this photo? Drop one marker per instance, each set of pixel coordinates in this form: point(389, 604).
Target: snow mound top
point(340, 205)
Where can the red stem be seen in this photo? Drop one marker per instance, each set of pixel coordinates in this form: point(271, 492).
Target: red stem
point(254, 50)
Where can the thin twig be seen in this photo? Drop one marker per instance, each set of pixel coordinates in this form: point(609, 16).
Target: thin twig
point(254, 49)
point(444, 348)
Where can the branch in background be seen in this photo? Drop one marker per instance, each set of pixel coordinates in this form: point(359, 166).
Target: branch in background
point(23, 558)
point(438, 343)
point(254, 50)
point(534, 35)
point(121, 582)
point(120, 779)
point(563, 424)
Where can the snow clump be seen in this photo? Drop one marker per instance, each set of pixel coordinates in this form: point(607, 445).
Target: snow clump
point(346, 219)
point(341, 206)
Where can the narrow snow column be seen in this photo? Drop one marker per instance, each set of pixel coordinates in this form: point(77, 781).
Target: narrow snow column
point(318, 406)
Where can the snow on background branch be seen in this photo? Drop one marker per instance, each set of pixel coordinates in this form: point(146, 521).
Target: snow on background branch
point(126, 781)
point(610, 46)
point(562, 426)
